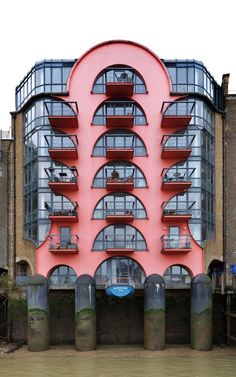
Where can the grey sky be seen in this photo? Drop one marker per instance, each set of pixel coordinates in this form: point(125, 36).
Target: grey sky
point(35, 30)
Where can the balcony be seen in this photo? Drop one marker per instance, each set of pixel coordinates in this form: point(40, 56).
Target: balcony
point(62, 178)
point(120, 184)
point(177, 211)
point(176, 146)
point(176, 178)
point(62, 146)
point(62, 211)
point(120, 244)
point(119, 146)
point(176, 114)
point(62, 114)
point(119, 83)
point(119, 121)
point(120, 212)
point(175, 244)
point(62, 245)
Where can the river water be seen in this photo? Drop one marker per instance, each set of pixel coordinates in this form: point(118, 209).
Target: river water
point(119, 361)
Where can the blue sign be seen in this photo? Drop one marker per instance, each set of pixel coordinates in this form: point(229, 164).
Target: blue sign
point(120, 290)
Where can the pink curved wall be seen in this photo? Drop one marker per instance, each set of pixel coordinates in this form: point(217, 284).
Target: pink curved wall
point(158, 85)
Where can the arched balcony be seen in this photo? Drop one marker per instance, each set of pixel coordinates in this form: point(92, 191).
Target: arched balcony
point(177, 276)
point(119, 114)
point(119, 176)
point(119, 144)
point(119, 238)
point(61, 209)
point(62, 277)
point(119, 81)
point(119, 207)
point(62, 114)
point(177, 114)
point(62, 146)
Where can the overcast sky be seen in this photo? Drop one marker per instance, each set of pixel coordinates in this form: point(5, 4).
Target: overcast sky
point(33, 30)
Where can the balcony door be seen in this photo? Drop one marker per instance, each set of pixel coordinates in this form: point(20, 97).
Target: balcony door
point(174, 234)
point(65, 236)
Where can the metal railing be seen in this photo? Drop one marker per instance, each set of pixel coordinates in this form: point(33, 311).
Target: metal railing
point(59, 108)
point(120, 242)
point(177, 141)
point(62, 174)
point(64, 141)
point(177, 174)
point(176, 242)
point(59, 208)
point(59, 241)
point(178, 108)
point(178, 207)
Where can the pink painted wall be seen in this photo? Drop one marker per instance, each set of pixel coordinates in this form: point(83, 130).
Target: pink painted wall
point(158, 85)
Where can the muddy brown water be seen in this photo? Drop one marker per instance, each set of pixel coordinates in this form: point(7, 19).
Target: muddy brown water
point(119, 361)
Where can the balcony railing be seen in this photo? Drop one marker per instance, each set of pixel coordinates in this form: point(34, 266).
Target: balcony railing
point(177, 178)
point(176, 146)
point(62, 211)
point(126, 184)
point(62, 146)
point(177, 210)
point(120, 244)
point(62, 178)
point(176, 244)
point(62, 114)
point(60, 244)
point(119, 82)
point(177, 113)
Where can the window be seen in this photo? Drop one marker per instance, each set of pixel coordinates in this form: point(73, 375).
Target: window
point(63, 275)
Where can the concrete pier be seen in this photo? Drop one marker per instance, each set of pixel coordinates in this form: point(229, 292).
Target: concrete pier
point(154, 313)
point(201, 313)
point(85, 313)
point(38, 317)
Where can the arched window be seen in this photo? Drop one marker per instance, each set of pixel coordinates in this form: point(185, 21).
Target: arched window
point(118, 270)
point(62, 276)
point(119, 140)
point(119, 107)
point(119, 204)
point(120, 237)
point(119, 73)
point(176, 274)
point(125, 171)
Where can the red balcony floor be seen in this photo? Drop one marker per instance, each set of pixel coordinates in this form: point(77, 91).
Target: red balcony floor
point(126, 121)
point(63, 218)
point(175, 153)
point(71, 186)
point(119, 185)
point(175, 250)
point(120, 218)
point(180, 121)
point(63, 251)
point(119, 89)
point(61, 121)
point(60, 153)
point(119, 251)
point(176, 185)
point(123, 153)
point(169, 217)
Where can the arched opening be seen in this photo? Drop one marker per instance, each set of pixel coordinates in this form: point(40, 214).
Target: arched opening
point(119, 321)
point(177, 280)
point(119, 140)
point(119, 172)
point(119, 206)
point(119, 74)
point(23, 271)
point(62, 305)
point(119, 238)
point(62, 277)
point(119, 108)
point(216, 273)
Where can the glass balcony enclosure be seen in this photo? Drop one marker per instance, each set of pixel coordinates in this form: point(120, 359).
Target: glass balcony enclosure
point(176, 242)
point(119, 204)
point(119, 74)
point(119, 237)
point(120, 141)
point(177, 206)
point(119, 108)
point(119, 270)
point(61, 208)
point(62, 174)
point(60, 242)
point(61, 141)
point(119, 172)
